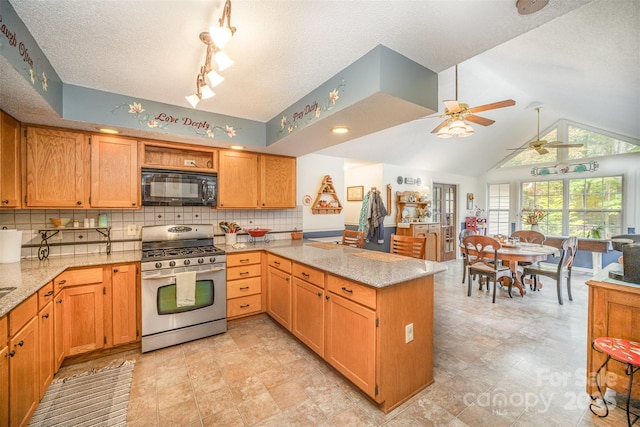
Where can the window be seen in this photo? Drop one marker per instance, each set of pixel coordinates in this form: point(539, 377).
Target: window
point(595, 203)
point(498, 212)
point(596, 144)
point(549, 196)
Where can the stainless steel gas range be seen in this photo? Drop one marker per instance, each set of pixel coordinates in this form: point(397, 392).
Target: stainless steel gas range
point(168, 251)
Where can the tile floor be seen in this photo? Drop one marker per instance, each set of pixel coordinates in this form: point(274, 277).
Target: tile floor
point(517, 362)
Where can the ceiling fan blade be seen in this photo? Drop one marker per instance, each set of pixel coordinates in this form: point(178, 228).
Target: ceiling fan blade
point(493, 106)
point(558, 144)
point(479, 120)
point(517, 149)
point(452, 106)
point(440, 126)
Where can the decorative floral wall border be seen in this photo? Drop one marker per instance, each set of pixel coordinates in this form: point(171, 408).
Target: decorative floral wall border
point(288, 126)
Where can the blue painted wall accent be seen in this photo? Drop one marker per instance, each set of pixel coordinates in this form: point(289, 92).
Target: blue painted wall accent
point(20, 49)
point(379, 70)
point(95, 106)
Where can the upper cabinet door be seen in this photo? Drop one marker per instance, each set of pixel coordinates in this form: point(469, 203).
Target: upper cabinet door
point(9, 162)
point(277, 182)
point(115, 181)
point(56, 174)
point(238, 180)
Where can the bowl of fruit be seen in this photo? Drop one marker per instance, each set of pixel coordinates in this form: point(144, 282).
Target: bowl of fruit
point(257, 232)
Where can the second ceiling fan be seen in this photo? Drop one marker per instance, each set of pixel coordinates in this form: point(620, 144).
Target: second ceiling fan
point(541, 146)
point(457, 114)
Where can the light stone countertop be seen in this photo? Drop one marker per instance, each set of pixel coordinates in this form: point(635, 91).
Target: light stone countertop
point(28, 276)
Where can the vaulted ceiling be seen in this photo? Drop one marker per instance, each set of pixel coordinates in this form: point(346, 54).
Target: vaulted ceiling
point(579, 58)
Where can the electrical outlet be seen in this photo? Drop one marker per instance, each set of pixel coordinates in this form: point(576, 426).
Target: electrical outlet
point(189, 162)
point(132, 230)
point(408, 333)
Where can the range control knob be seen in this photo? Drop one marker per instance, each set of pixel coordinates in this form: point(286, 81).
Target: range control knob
point(212, 259)
point(172, 264)
point(200, 261)
point(187, 262)
point(158, 265)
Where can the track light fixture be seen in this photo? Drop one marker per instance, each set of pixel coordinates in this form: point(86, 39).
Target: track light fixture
point(215, 40)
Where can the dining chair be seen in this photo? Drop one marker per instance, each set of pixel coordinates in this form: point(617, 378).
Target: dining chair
point(353, 238)
point(556, 272)
point(482, 258)
point(464, 233)
point(408, 246)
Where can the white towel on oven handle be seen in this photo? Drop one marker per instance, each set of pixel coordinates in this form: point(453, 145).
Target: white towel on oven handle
point(185, 289)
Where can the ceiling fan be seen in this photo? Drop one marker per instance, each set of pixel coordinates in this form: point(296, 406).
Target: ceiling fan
point(540, 145)
point(457, 114)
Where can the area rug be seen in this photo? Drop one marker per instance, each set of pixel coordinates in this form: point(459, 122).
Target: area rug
point(95, 398)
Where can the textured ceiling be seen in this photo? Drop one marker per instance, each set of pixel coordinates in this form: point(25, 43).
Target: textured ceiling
point(578, 58)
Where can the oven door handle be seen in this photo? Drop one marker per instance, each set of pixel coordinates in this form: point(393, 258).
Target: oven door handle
point(166, 276)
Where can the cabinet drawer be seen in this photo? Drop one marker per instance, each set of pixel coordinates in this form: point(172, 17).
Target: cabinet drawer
point(3, 331)
point(45, 295)
point(308, 274)
point(84, 276)
point(244, 287)
point(359, 293)
point(246, 258)
point(420, 230)
point(19, 316)
point(244, 272)
point(244, 305)
point(280, 263)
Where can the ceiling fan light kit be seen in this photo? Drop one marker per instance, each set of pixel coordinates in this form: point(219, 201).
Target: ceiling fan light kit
point(215, 40)
point(456, 115)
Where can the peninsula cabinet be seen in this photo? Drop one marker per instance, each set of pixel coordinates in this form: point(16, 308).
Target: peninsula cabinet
point(4, 373)
point(279, 289)
point(23, 362)
point(9, 161)
point(307, 321)
point(115, 180)
point(57, 169)
point(244, 284)
point(251, 180)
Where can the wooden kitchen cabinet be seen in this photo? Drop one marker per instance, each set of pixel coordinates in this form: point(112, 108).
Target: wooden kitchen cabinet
point(46, 342)
point(308, 304)
point(4, 373)
point(277, 182)
point(58, 333)
point(115, 177)
point(9, 161)
point(279, 289)
point(238, 180)
point(244, 284)
point(432, 234)
point(24, 390)
point(57, 171)
point(121, 313)
point(351, 332)
point(83, 319)
point(179, 156)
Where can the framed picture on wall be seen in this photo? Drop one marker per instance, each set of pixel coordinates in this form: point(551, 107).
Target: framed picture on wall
point(355, 194)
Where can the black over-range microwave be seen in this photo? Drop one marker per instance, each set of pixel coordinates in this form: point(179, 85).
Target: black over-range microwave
point(177, 188)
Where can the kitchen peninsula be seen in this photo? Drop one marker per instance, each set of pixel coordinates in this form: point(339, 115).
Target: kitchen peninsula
point(368, 314)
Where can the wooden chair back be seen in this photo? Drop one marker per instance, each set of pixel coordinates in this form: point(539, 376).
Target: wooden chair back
point(529, 236)
point(486, 251)
point(353, 238)
point(408, 246)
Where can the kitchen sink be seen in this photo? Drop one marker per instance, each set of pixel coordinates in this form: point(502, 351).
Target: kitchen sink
point(5, 291)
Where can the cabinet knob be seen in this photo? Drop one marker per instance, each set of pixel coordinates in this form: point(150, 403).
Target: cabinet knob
point(48, 294)
point(5, 202)
point(20, 344)
point(115, 270)
point(347, 290)
point(327, 297)
point(62, 282)
point(78, 203)
point(287, 279)
point(59, 301)
point(11, 353)
point(319, 294)
point(133, 203)
point(46, 316)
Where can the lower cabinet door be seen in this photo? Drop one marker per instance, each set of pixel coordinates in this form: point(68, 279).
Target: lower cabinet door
point(46, 347)
point(83, 319)
point(58, 332)
point(279, 296)
point(124, 303)
point(242, 306)
point(23, 373)
point(351, 341)
point(4, 386)
point(308, 315)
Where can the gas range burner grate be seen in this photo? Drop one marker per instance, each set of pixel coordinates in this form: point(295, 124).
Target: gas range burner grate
point(173, 253)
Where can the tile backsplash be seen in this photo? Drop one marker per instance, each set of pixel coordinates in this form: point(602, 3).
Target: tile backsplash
point(82, 241)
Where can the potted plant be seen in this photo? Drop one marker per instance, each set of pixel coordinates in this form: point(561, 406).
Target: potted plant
point(596, 232)
point(532, 216)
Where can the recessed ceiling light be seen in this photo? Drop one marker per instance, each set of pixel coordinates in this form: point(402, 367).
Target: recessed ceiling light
point(107, 130)
point(339, 129)
point(237, 147)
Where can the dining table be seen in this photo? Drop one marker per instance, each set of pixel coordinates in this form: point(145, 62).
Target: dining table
point(512, 254)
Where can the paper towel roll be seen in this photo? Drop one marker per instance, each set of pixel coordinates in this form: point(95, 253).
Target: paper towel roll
point(10, 246)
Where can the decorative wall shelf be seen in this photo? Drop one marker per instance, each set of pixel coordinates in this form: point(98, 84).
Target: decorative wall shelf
point(562, 168)
point(326, 201)
point(48, 233)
